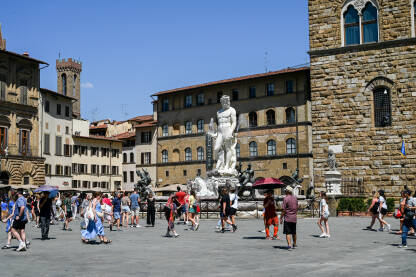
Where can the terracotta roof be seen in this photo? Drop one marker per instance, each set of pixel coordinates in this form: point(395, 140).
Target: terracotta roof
point(102, 126)
point(145, 124)
point(248, 77)
point(97, 137)
point(142, 118)
point(54, 93)
point(23, 56)
point(125, 135)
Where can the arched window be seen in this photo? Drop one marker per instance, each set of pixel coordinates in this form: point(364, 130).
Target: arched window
point(252, 119)
point(188, 154)
point(369, 21)
point(200, 125)
point(63, 83)
point(164, 156)
point(290, 115)
point(291, 146)
point(200, 153)
point(271, 117)
point(131, 157)
point(271, 148)
point(124, 157)
point(351, 26)
point(237, 150)
point(253, 149)
point(165, 130)
point(188, 127)
point(74, 85)
point(382, 107)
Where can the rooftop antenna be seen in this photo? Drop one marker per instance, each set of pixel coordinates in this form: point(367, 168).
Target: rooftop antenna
point(94, 114)
point(266, 61)
point(59, 55)
point(124, 110)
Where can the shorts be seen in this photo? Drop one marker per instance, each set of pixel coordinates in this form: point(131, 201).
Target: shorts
point(383, 211)
point(116, 215)
point(135, 211)
point(289, 228)
point(19, 224)
point(125, 209)
point(192, 210)
point(187, 207)
point(68, 214)
point(325, 215)
point(181, 210)
point(272, 221)
point(226, 215)
point(233, 211)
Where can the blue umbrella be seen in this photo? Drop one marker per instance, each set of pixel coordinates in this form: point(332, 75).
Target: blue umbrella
point(53, 191)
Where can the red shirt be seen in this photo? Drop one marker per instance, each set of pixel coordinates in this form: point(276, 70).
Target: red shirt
point(270, 210)
point(181, 197)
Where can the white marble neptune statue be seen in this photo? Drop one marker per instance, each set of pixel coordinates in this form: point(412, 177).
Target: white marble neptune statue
point(225, 138)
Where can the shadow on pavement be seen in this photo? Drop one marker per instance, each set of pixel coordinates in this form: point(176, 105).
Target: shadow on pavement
point(262, 238)
point(280, 247)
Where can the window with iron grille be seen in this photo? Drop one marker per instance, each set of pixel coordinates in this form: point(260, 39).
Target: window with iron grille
point(188, 127)
point(200, 153)
point(291, 146)
point(271, 148)
point(188, 154)
point(382, 107)
point(253, 149)
point(145, 137)
point(164, 156)
point(200, 125)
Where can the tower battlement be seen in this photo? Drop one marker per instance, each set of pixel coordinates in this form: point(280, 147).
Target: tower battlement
point(68, 64)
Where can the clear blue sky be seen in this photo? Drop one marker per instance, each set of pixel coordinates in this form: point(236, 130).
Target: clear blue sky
point(131, 49)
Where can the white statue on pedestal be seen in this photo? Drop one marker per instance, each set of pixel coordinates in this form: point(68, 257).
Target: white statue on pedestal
point(225, 139)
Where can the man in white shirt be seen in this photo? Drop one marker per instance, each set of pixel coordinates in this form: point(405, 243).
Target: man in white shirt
point(234, 206)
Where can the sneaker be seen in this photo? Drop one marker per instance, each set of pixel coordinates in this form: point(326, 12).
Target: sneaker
point(323, 235)
point(222, 230)
point(131, 226)
point(196, 227)
point(22, 247)
point(388, 227)
point(176, 235)
point(289, 248)
point(380, 229)
point(294, 246)
point(7, 246)
point(276, 238)
point(402, 246)
point(328, 236)
point(218, 227)
point(369, 228)
point(234, 228)
point(137, 226)
point(187, 223)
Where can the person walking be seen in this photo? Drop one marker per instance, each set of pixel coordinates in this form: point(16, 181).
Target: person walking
point(35, 208)
point(180, 196)
point(374, 209)
point(9, 221)
point(382, 211)
point(192, 211)
point(4, 210)
point(289, 216)
point(45, 211)
point(323, 216)
point(19, 221)
point(408, 210)
point(84, 206)
point(117, 209)
point(170, 214)
point(125, 210)
point(95, 226)
point(135, 209)
point(225, 206)
point(74, 206)
point(151, 210)
point(67, 211)
point(234, 205)
point(270, 216)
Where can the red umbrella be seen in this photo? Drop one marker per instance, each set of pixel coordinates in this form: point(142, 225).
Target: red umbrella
point(268, 183)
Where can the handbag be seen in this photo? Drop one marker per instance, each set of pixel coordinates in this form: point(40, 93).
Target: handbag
point(398, 214)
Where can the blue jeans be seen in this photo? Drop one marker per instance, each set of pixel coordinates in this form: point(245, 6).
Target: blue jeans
point(407, 223)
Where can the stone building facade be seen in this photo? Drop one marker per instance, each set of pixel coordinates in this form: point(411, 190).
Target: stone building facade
point(274, 125)
point(21, 164)
point(363, 88)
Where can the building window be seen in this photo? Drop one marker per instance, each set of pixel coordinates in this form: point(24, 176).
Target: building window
point(271, 117)
point(26, 180)
point(188, 101)
point(145, 137)
point(291, 146)
point(165, 105)
point(67, 111)
point(198, 172)
point(67, 171)
point(284, 165)
point(165, 130)
point(271, 148)
point(185, 172)
point(84, 150)
point(3, 139)
point(252, 92)
point(237, 150)
point(94, 151)
point(63, 83)
point(124, 157)
point(3, 87)
point(46, 106)
point(382, 107)
point(58, 109)
point(270, 89)
point(125, 176)
point(74, 85)
point(188, 154)
point(351, 26)
point(290, 116)
point(46, 144)
point(200, 125)
point(48, 170)
point(23, 92)
point(131, 157)
point(67, 150)
point(188, 127)
point(253, 149)
point(94, 169)
point(200, 100)
point(58, 170)
point(167, 173)
point(164, 156)
point(252, 119)
point(219, 95)
point(105, 152)
point(235, 95)
point(24, 145)
point(289, 86)
point(145, 157)
point(132, 176)
point(200, 153)
point(370, 26)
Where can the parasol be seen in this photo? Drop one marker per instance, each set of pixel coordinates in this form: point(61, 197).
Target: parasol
point(268, 183)
point(53, 190)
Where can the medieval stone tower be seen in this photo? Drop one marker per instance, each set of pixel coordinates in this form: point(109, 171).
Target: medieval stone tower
point(69, 75)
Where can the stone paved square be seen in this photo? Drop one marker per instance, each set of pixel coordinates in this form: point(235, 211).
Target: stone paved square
point(351, 251)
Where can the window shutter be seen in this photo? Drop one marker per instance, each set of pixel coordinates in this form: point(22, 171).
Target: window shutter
point(142, 158)
point(150, 157)
point(20, 142)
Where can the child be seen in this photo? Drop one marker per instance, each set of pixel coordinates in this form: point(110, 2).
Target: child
point(170, 213)
point(270, 216)
point(324, 214)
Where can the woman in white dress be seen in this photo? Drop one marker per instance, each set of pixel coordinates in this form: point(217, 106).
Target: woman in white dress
point(323, 216)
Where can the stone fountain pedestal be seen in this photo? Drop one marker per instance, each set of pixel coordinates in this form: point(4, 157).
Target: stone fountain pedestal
point(333, 180)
